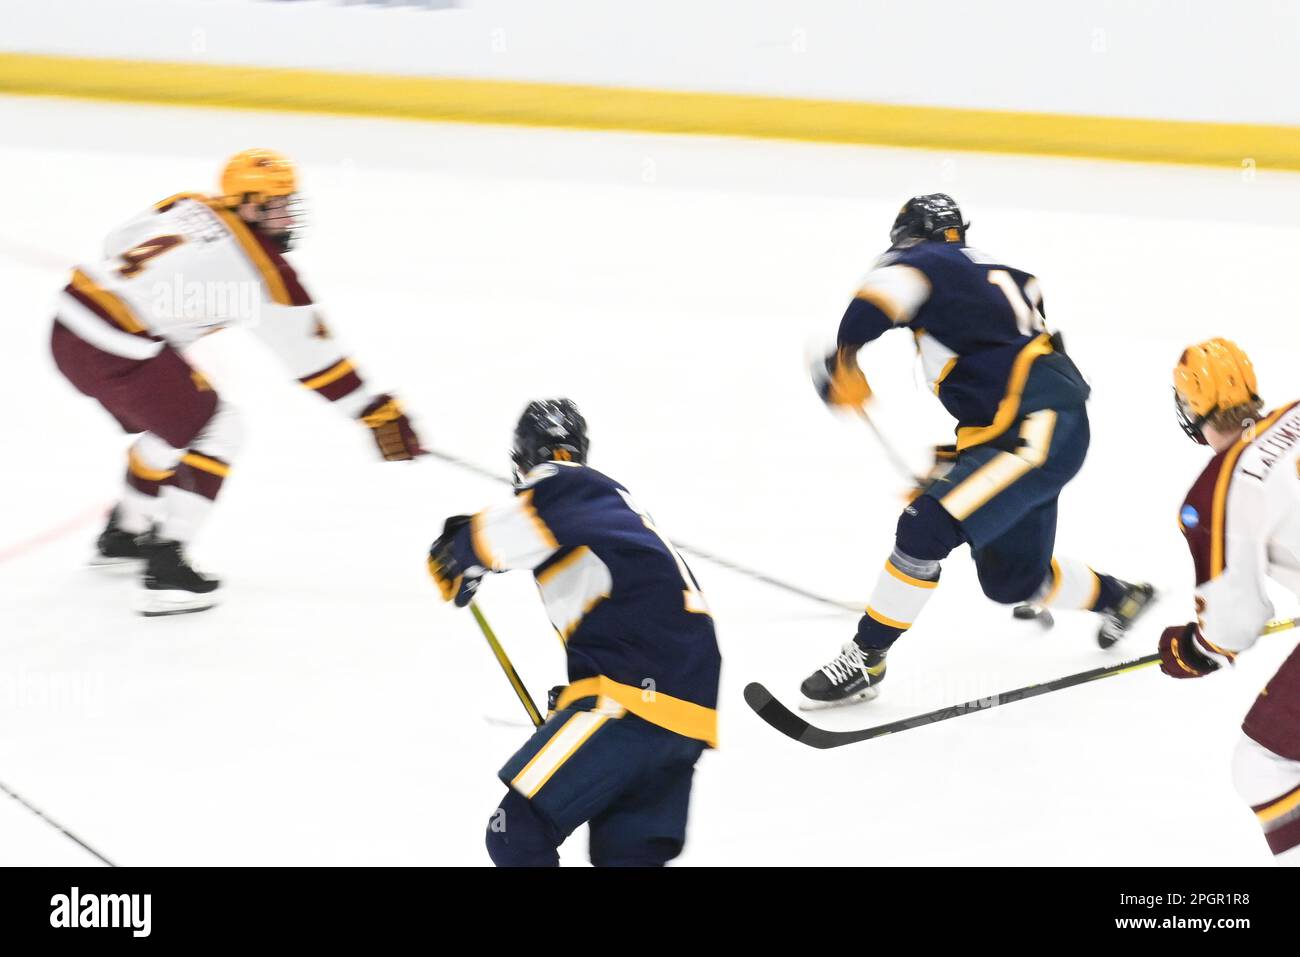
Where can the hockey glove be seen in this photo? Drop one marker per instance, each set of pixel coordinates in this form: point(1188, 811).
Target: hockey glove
point(457, 584)
point(393, 433)
point(839, 381)
point(1182, 655)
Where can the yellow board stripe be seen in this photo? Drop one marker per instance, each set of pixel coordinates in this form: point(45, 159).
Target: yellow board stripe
point(330, 375)
point(903, 576)
point(594, 107)
point(1282, 806)
point(205, 464)
point(253, 250)
point(110, 303)
point(885, 620)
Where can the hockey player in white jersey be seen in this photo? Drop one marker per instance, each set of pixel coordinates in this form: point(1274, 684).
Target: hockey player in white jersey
point(192, 265)
point(1242, 524)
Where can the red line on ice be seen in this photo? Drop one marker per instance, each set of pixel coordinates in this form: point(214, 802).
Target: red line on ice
point(53, 534)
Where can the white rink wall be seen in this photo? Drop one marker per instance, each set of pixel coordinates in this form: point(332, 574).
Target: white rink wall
point(1161, 59)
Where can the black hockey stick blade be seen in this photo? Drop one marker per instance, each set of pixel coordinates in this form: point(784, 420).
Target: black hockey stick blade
point(791, 725)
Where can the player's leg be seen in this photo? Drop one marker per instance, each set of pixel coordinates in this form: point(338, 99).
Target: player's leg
point(572, 767)
point(1012, 527)
point(1270, 784)
point(1019, 566)
point(151, 462)
point(646, 827)
point(517, 836)
point(1266, 765)
point(174, 474)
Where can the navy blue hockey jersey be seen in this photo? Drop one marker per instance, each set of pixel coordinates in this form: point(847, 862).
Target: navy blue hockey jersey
point(978, 326)
point(634, 623)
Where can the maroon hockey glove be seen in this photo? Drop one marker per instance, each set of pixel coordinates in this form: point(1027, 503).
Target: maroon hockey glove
point(393, 432)
point(1180, 656)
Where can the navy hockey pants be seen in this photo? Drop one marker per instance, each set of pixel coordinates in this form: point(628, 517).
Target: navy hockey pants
point(629, 779)
point(1001, 498)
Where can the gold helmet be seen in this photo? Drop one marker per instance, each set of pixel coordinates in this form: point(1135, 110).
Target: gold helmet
point(256, 175)
point(1213, 378)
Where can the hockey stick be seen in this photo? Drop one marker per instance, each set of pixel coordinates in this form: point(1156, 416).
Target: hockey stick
point(891, 453)
point(690, 550)
point(55, 824)
point(503, 660)
point(792, 726)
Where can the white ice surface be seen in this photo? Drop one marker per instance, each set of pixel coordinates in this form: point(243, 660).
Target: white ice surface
point(333, 711)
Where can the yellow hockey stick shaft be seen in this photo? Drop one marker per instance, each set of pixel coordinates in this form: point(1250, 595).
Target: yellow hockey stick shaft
point(503, 660)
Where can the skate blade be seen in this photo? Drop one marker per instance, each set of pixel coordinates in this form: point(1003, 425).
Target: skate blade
point(153, 603)
point(120, 567)
point(866, 694)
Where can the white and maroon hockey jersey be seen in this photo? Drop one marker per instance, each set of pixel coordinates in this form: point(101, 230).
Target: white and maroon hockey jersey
point(1242, 523)
point(189, 267)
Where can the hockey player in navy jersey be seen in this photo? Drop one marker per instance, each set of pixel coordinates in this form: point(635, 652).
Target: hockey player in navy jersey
point(619, 748)
point(1022, 434)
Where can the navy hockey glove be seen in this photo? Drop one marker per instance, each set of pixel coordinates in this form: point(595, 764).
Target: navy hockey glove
point(1181, 655)
point(839, 381)
point(456, 584)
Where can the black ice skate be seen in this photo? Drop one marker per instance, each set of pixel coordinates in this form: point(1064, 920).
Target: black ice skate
point(116, 549)
point(1116, 621)
point(171, 585)
point(852, 676)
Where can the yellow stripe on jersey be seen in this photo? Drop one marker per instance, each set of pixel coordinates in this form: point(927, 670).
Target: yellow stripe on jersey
point(479, 541)
point(525, 500)
point(330, 375)
point(173, 200)
point(1219, 516)
point(141, 469)
point(275, 286)
point(205, 464)
point(110, 303)
point(568, 561)
point(1279, 808)
point(943, 374)
point(673, 714)
point(1009, 407)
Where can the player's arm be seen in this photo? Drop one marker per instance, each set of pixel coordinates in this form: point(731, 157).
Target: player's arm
point(298, 336)
point(1232, 605)
point(515, 535)
point(890, 296)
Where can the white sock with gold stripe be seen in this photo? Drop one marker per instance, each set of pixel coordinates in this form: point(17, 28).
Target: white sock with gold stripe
point(1070, 584)
point(904, 586)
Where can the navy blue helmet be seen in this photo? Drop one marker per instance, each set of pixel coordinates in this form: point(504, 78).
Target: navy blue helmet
point(549, 430)
point(932, 216)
